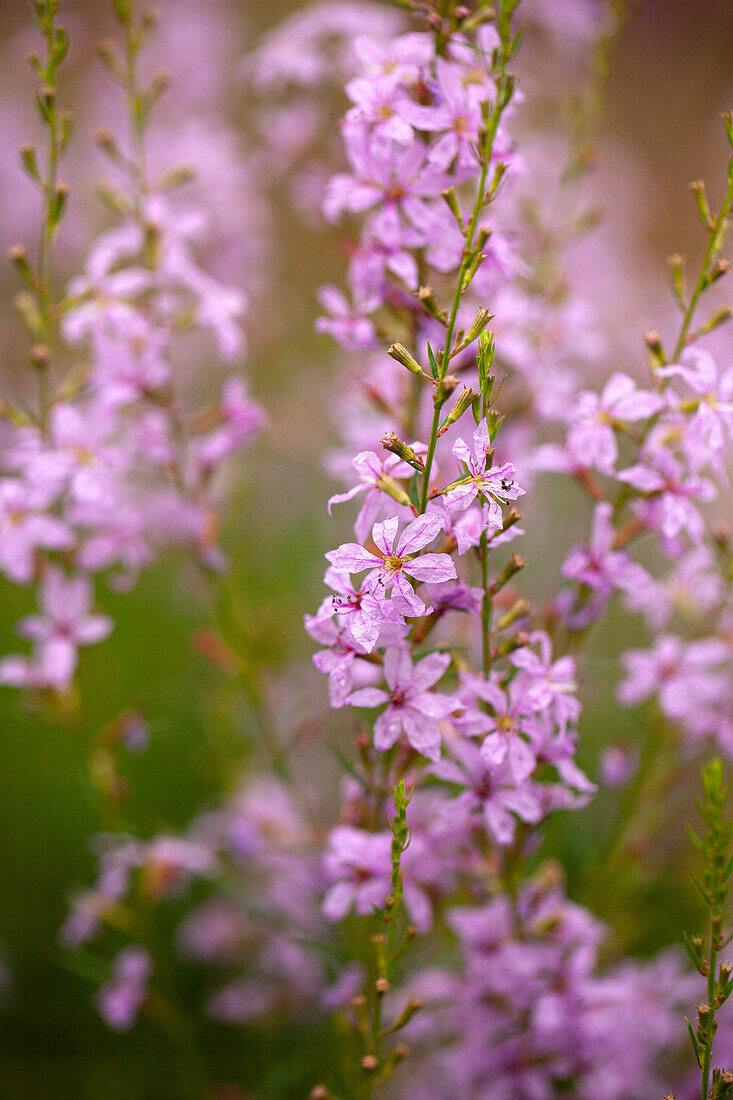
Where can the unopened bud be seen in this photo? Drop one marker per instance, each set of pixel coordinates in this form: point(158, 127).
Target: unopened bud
point(444, 389)
point(392, 442)
point(477, 326)
point(718, 317)
point(58, 203)
point(517, 611)
point(451, 201)
point(382, 986)
point(653, 344)
point(677, 275)
point(39, 355)
point(727, 117)
point(19, 258)
point(426, 297)
point(463, 402)
point(698, 190)
point(28, 157)
point(68, 121)
point(177, 176)
point(110, 58)
point(512, 567)
point(720, 267)
point(369, 1063)
point(403, 356)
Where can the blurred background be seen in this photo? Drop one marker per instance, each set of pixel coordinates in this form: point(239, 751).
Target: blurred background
point(670, 77)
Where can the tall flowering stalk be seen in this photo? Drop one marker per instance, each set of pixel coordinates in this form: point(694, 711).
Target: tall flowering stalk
point(713, 889)
point(466, 691)
point(113, 463)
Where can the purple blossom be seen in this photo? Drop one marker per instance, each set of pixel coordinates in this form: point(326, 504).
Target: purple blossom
point(496, 484)
point(490, 791)
point(599, 565)
point(373, 470)
point(592, 429)
point(685, 677)
point(456, 115)
point(411, 708)
point(395, 558)
point(121, 998)
point(25, 526)
point(65, 625)
point(669, 491)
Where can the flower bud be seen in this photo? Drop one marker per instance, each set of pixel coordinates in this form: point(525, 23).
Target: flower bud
point(28, 158)
point(403, 356)
point(426, 297)
point(677, 276)
point(720, 267)
point(451, 201)
point(19, 258)
point(39, 354)
point(389, 485)
point(477, 326)
point(463, 402)
point(517, 611)
point(718, 317)
point(515, 563)
point(392, 442)
point(698, 190)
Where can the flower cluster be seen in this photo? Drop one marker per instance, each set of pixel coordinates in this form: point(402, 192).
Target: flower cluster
point(529, 1013)
point(256, 864)
point(116, 462)
point(485, 727)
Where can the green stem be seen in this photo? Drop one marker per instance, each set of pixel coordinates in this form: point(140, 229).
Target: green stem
point(478, 205)
point(50, 220)
point(486, 606)
point(714, 244)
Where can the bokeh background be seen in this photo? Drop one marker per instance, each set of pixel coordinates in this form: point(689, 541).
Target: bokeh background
point(671, 75)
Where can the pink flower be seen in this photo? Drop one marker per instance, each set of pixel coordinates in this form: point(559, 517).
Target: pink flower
point(346, 324)
point(358, 608)
point(592, 432)
point(25, 527)
point(411, 708)
point(598, 565)
point(391, 563)
point(669, 490)
point(239, 419)
point(119, 1000)
point(684, 676)
point(66, 624)
point(372, 469)
point(456, 115)
point(547, 683)
point(491, 791)
point(495, 484)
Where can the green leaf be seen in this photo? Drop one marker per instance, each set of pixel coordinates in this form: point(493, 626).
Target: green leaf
point(695, 838)
point(703, 893)
point(433, 363)
point(695, 1045)
point(414, 491)
point(695, 956)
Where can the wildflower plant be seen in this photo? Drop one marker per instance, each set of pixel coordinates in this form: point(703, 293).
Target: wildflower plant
point(715, 850)
point(109, 462)
point(485, 728)
point(423, 930)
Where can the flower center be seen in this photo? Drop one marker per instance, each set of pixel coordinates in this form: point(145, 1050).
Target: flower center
point(393, 564)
